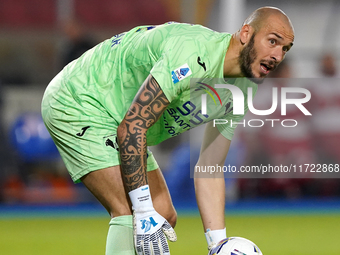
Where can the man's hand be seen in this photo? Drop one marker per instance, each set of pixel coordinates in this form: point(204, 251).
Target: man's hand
point(150, 233)
point(150, 228)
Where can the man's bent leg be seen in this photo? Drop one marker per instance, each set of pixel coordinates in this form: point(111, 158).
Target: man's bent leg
point(107, 186)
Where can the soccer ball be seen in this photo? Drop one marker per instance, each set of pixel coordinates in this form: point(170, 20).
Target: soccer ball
point(235, 246)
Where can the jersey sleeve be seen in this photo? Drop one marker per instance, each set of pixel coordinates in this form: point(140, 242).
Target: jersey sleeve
point(175, 67)
point(227, 129)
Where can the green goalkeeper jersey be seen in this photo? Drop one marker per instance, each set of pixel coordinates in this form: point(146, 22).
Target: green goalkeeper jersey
point(186, 60)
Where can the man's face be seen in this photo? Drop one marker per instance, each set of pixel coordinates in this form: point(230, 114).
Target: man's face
point(266, 49)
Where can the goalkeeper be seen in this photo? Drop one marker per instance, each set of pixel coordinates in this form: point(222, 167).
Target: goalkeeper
point(133, 90)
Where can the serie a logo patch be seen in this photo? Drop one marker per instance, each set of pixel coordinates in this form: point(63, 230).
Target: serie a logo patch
point(180, 73)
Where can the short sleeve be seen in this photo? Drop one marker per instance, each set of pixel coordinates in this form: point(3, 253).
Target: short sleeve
point(232, 121)
point(175, 67)
point(161, 72)
point(228, 129)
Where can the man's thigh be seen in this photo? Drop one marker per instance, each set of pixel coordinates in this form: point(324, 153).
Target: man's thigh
point(84, 134)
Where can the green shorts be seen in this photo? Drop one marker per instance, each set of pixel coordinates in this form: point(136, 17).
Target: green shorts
point(85, 134)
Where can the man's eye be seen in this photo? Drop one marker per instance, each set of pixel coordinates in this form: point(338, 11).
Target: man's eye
point(272, 41)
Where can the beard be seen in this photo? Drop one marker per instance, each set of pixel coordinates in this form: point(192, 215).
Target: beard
point(247, 57)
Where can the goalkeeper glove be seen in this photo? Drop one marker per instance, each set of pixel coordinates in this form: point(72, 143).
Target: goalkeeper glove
point(150, 228)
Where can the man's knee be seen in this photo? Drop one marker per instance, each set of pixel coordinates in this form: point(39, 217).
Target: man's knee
point(107, 186)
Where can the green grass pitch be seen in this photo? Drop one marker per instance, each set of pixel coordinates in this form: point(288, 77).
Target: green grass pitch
point(275, 235)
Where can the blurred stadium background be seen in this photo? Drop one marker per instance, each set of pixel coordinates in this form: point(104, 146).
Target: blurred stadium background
point(43, 212)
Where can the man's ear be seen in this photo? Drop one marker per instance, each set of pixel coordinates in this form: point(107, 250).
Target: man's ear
point(245, 34)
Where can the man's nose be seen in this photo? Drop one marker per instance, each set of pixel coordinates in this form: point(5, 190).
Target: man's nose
point(277, 55)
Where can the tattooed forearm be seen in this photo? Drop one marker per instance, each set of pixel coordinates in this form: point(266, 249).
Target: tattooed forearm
point(145, 110)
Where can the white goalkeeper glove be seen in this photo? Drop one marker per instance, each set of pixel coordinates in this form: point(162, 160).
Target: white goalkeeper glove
point(150, 228)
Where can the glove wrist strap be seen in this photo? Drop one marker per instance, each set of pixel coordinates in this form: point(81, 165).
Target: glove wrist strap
point(215, 236)
point(141, 199)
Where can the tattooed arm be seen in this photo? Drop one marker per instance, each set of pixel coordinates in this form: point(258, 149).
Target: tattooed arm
point(150, 228)
point(148, 105)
